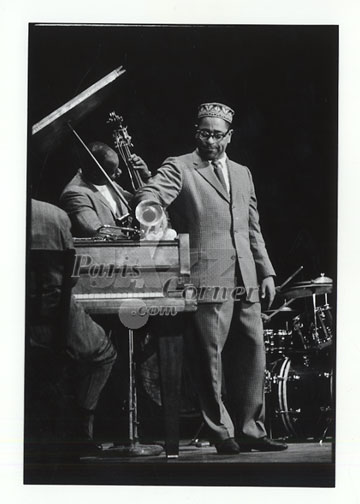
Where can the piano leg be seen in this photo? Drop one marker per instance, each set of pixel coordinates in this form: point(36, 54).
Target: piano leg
point(170, 364)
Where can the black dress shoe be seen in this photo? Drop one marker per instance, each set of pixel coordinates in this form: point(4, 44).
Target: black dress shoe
point(90, 449)
point(227, 447)
point(262, 444)
point(75, 451)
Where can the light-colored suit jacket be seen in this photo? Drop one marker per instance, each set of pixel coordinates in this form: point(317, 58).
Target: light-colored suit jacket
point(87, 208)
point(223, 228)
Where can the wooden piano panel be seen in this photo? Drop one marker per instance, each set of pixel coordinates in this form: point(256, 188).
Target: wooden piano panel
point(130, 269)
point(110, 274)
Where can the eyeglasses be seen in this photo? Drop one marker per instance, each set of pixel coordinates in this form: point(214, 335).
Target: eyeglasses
point(206, 134)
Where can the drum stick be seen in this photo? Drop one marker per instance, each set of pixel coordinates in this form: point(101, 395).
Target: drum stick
point(289, 279)
point(279, 309)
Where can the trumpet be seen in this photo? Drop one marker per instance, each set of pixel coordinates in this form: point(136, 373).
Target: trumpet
point(153, 221)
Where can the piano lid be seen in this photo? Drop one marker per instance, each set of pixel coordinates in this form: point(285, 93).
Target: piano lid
point(49, 131)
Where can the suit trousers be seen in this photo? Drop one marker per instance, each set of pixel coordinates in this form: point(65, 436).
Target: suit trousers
point(89, 348)
point(226, 341)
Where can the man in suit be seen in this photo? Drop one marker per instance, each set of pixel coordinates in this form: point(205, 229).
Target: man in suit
point(213, 199)
point(85, 342)
point(89, 199)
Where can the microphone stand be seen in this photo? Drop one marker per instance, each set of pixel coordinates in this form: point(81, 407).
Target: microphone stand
point(134, 448)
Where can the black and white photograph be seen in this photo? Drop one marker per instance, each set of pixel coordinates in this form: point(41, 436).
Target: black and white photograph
point(181, 255)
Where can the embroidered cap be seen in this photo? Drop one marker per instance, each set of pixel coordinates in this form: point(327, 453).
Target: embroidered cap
point(216, 110)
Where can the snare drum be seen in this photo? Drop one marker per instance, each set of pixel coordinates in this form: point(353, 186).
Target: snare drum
point(277, 341)
point(300, 400)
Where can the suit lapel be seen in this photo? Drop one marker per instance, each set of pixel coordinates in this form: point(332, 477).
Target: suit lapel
point(207, 172)
point(102, 199)
point(235, 183)
point(97, 194)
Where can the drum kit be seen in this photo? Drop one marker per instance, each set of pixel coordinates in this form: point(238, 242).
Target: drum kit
point(299, 356)
point(299, 366)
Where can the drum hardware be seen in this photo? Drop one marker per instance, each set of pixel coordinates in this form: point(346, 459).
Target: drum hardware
point(297, 329)
point(267, 382)
point(329, 422)
point(277, 341)
point(278, 379)
point(324, 338)
point(287, 412)
point(315, 332)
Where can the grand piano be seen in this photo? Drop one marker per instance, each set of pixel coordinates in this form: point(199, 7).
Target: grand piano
point(132, 278)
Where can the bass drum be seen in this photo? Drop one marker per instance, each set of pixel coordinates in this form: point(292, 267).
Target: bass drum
point(300, 396)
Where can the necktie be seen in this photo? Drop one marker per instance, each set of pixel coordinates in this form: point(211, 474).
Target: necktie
point(219, 173)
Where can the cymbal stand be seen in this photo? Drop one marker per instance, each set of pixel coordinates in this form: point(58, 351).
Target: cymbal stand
point(316, 334)
point(326, 306)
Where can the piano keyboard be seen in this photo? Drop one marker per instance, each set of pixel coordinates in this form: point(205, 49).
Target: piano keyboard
point(117, 295)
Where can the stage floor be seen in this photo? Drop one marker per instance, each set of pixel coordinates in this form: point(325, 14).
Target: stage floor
point(297, 453)
point(302, 464)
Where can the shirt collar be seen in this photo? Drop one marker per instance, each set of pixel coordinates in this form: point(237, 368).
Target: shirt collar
point(102, 188)
point(222, 160)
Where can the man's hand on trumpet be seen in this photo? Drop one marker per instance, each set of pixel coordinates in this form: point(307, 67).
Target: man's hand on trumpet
point(153, 221)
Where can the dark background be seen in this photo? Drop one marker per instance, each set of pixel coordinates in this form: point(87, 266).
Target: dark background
point(282, 81)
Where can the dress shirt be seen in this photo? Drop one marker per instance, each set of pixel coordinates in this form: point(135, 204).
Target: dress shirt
point(107, 193)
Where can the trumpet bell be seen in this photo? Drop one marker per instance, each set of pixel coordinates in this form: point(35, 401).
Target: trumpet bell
point(149, 213)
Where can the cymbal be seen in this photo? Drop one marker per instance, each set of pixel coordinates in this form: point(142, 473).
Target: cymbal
point(322, 279)
point(285, 309)
point(307, 289)
point(49, 131)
